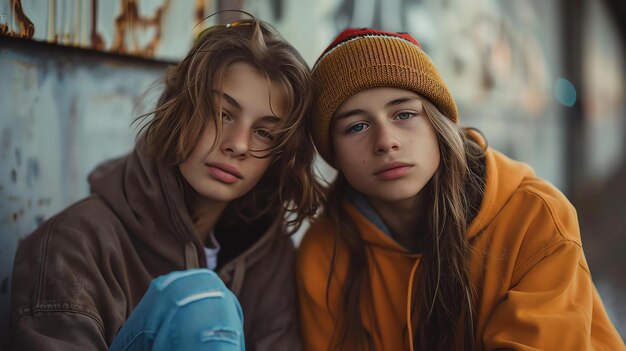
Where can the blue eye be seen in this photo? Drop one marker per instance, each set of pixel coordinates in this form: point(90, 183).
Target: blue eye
point(359, 127)
point(404, 115)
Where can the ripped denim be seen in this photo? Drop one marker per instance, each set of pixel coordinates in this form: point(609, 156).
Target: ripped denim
point(186, 310)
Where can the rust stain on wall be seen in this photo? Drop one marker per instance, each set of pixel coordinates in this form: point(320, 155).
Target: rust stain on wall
point(96, 39)
point(130, 27)
point(26, 27)
point(130, 20)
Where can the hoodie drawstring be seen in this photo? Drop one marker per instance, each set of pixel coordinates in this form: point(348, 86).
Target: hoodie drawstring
point(191, 256)
point(240, 272)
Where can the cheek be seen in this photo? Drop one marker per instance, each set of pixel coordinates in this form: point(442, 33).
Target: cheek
point(433, 163)
point(351, 165)
point(259, 166)
point(205, 147)
point(348, 154)
point(206, 140)
point(187, 171)
point(432, 156)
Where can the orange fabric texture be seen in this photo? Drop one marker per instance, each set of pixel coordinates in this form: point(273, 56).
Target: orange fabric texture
point(532, 283)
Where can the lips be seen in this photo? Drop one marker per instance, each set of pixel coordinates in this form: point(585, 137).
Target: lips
point(224, 172)
point(393, 170)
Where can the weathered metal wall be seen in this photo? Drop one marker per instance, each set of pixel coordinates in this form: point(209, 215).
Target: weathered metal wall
point(159, 29)
point(63, 110)
point(62, 113)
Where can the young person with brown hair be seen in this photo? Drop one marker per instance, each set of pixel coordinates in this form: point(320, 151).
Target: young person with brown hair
point(431, 240)
point(219, 178)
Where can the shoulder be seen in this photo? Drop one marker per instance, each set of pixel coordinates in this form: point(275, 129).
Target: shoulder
point(541, 203)
point(318, 241)
point(70, 245)
point(58, 266)
point(88, 221)
point(537, 222)
point(315, 253)
point(516, 198)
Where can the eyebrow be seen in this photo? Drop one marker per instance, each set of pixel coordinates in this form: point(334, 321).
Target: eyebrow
point(357, 111)
point(235, 104)
point(228, 98)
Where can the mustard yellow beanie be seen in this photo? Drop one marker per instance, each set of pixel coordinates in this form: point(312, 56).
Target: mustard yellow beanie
point(360, 59)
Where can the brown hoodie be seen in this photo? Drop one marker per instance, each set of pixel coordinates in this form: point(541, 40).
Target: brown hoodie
point(78, 277)
point(528, 271)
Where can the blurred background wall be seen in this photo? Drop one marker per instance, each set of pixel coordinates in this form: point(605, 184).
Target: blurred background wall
point(543, 79)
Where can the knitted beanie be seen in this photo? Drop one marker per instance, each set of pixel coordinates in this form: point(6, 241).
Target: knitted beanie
point(360, 59)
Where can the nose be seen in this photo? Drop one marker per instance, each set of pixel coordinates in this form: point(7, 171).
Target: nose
point(235, 140)
point(385, 140)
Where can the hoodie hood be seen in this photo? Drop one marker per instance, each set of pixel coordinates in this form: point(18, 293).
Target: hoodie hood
point(503, 176)
point(148, 197)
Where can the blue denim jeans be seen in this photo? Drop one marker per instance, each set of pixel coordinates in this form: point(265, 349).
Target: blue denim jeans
point(186, 310)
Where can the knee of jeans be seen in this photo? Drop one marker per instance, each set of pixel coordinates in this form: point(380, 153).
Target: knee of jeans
point(206, 276)
point(181, 287)
point(220, 335)
point(208, 318)
point(185, 287)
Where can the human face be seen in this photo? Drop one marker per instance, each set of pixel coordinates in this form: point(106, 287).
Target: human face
point(384, 144)
point(230, 170)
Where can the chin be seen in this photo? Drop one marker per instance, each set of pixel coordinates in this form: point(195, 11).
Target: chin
point(395, 195)
point(215, 192)
point(218, 197)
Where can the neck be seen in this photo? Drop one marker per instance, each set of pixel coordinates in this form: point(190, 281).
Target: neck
point(404, 218)
point(204, 214)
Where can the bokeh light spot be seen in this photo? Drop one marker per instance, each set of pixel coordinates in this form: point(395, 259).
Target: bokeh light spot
point(565, 92)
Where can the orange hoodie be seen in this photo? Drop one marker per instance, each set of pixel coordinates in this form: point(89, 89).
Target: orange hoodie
point(532, 283)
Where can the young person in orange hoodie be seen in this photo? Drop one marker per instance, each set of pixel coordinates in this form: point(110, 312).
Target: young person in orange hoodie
point(431, 240)
point(219, 178)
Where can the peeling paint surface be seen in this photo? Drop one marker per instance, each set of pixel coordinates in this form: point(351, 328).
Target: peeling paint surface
point(159, 29)
point(61, 116)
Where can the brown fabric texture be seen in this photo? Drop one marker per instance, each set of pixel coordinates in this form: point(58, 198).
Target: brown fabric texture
point(369, 62)
point(78, 277)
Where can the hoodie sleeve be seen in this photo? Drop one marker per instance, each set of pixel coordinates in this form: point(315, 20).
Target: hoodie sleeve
point(552, 303)
point(56, 291)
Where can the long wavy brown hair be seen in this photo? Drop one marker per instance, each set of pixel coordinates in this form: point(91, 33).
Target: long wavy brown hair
point(186, 107)
point(442, 302)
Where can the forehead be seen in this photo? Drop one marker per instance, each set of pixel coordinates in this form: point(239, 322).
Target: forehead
point(251, 90)
point(374, 98)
